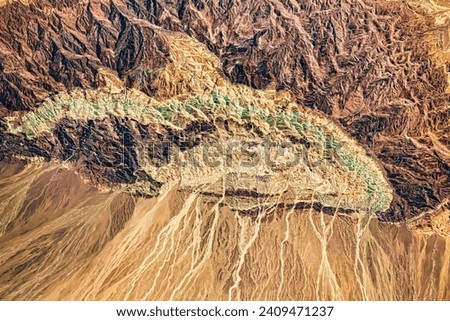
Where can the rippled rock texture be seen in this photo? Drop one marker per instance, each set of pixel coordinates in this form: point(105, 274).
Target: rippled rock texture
point(299, 142)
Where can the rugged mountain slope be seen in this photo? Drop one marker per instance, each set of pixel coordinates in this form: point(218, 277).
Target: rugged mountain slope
point(312, 158)
point(142, 98)
point(364, 64)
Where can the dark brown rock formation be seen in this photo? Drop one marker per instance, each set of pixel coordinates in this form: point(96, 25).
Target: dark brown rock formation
point(363, 63)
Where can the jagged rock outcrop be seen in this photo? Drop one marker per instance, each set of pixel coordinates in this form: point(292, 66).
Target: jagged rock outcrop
point(50, 46)
point(350, 59)
point(136, 158)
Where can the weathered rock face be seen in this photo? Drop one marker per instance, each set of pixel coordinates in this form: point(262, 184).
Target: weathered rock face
point(350, 59)
point(168, 104)
point(49, 46)
point(359, 70)
point(218, 146)
point(106, 150)
point(354, 62)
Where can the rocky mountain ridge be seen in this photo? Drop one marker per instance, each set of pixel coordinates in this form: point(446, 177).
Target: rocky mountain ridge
point(224, 150)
